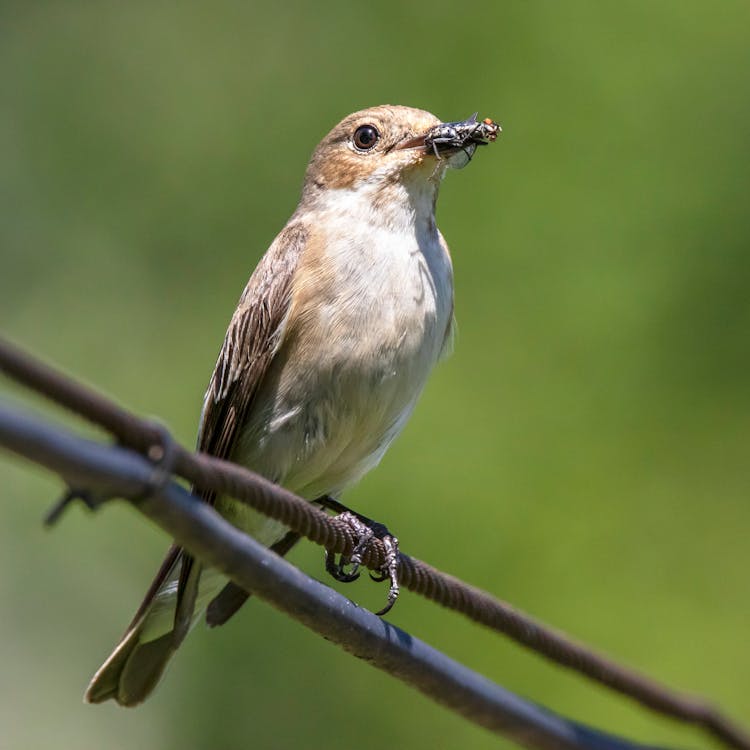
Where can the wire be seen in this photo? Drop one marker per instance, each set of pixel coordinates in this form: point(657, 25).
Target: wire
point(110, 471)
point(419, 577)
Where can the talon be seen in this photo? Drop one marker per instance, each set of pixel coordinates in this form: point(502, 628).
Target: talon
point(364, 537)
point(390, 571)
point(365, 530)
point(336, 569)
point(342, 574)
point(331, 567)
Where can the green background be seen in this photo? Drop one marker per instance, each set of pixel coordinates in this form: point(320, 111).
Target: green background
point(585, 452)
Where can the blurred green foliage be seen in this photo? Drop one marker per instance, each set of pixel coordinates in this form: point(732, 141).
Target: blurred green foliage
point(584, 454)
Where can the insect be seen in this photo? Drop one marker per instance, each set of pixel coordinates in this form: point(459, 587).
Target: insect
point(464, 134)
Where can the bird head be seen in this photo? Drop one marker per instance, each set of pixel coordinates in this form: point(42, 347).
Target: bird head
point(388, 145)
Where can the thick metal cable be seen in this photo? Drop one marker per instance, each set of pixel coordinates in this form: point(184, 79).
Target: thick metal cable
point(224, 477)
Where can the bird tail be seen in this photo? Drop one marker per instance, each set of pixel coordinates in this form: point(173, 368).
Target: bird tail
point(139, 660)
point(133, 669)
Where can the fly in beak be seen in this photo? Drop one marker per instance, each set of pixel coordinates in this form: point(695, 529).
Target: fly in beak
point(449, 137)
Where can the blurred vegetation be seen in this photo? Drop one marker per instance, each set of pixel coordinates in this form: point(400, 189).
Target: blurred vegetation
point(584, 454)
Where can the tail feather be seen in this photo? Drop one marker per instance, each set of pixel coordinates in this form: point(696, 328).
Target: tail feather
point(174, 602)
point(132, 671)
point(138, 661)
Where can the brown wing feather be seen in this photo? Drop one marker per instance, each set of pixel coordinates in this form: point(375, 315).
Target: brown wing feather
point(252, 340)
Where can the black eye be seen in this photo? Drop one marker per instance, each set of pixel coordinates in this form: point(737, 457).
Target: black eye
point(365, 137)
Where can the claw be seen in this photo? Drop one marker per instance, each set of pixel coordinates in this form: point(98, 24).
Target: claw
point(366, 530)
point(365, 536)
point(336, 568)
point(390, 571)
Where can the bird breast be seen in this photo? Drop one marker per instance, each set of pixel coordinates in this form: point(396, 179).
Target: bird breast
point(371, 306)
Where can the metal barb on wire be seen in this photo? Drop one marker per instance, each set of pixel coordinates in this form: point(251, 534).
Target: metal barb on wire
point(163, 457)
point(55, 513)
point(224, 477)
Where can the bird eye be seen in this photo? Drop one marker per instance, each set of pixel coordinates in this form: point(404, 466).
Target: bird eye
point(365, 137)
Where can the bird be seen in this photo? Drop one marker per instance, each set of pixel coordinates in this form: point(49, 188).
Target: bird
point(328, 350)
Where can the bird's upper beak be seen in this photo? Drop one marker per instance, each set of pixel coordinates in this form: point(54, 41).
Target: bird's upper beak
point(417, 141)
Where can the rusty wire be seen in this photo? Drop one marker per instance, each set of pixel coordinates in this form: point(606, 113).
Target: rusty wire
point(207, 472)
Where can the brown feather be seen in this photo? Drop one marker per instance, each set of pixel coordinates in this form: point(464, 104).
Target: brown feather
point(252, 339)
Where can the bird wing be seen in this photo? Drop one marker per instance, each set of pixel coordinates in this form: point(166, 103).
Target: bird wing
point(450, 332)
point(252, 339)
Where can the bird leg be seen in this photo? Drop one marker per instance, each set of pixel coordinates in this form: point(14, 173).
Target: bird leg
point(365, 530)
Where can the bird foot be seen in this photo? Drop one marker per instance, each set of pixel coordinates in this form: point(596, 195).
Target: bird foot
point(366, 530)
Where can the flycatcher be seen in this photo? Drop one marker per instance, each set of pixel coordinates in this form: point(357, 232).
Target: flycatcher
point(325, 357)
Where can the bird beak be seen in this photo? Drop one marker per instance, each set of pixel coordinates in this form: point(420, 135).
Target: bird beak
point(411, 142)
